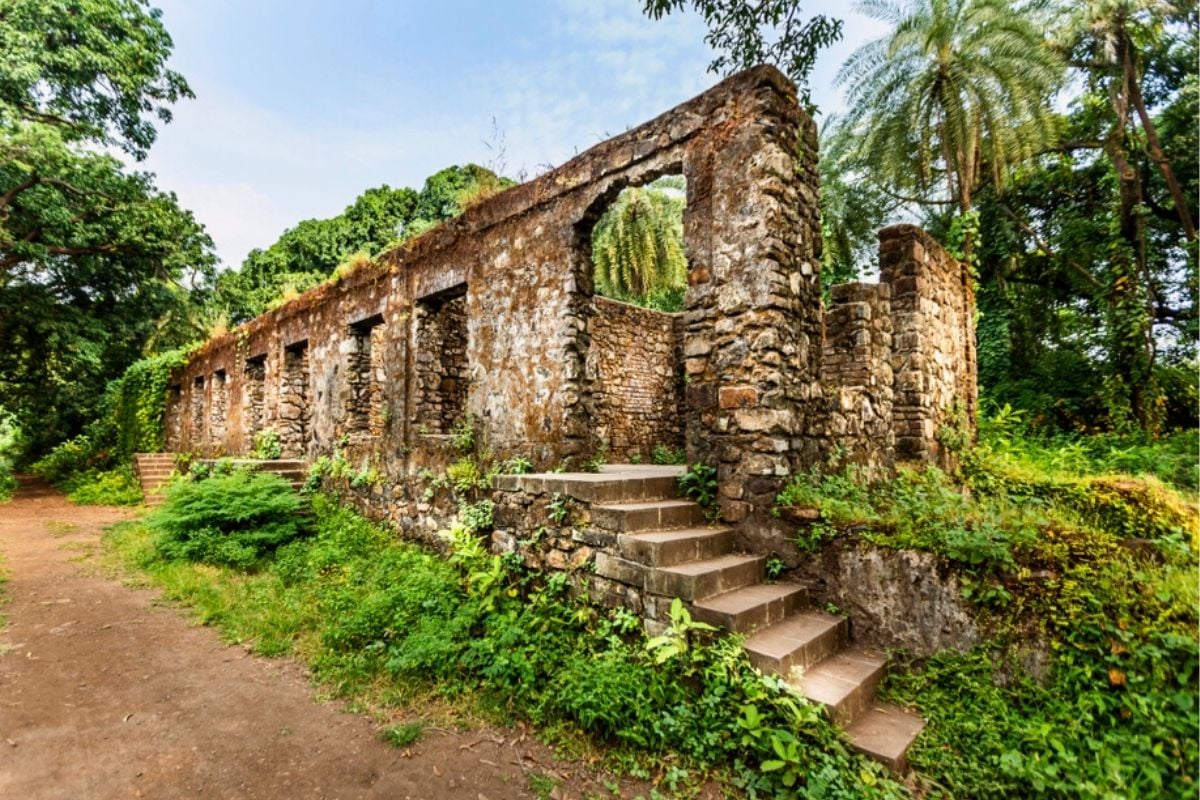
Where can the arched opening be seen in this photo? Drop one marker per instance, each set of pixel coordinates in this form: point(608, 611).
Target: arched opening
point(634, 246)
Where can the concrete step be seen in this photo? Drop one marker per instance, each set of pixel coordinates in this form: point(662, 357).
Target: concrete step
point(752, 607)
point(844, 683)
point(799, 641)
point(697, 580)
point(668, 548)
point(648, 516)
point(885, 732)
point(620, 485)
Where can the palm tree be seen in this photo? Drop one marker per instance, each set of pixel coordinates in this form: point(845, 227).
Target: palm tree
point(637, 245)
point(955, 96)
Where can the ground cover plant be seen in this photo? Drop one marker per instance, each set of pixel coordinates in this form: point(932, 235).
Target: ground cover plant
point(366, 609)
point(1098, 570)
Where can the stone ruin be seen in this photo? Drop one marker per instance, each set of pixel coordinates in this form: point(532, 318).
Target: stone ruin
point(491, 320)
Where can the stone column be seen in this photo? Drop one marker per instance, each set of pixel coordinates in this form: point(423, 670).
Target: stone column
point(933, 352)
point(753, 342)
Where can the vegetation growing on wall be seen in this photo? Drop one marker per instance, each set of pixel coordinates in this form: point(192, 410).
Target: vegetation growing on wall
point(130, 420)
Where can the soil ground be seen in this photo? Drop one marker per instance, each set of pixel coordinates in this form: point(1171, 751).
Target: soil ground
point(107, 692)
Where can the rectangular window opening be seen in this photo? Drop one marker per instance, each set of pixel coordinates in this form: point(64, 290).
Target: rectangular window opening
point(441, 371)
point(364, 377)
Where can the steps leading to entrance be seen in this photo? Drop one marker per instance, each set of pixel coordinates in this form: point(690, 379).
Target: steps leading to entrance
point(664, 548)
point(154, 471)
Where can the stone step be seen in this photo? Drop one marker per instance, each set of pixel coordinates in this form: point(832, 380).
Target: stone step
point(750, 608)
point(621, 484)
point(697, 580)
point(648, 516)
point(885, 732)
point(668, 548)
point(844, 683)
point(800, 641)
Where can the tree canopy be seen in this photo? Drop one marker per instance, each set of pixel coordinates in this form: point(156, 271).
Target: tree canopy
point(97, 265)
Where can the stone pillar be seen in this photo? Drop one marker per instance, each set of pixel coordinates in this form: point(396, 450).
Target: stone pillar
point(753, 343)
point(933, 351)
point(856, 370)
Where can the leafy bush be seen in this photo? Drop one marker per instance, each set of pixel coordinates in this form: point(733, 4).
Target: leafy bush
point(662, 454)
point(8, 442)
point(114, 487)
point(699, 483)
point(267, 445)
point(232, 519)
point(130, 420)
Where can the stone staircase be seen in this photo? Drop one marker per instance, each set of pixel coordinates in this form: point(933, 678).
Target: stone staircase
point(153, 471)
point(664, 546)
point(292, 470)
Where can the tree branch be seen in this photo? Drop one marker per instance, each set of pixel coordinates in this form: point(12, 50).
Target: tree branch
point(1078, 268)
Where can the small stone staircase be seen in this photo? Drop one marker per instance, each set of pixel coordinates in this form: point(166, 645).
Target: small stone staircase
point(292, 470)
point(665, 546)
point(153, 471)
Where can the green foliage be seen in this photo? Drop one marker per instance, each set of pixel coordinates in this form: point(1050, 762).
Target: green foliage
point(403, 735)
point(98, 267)
point(8, 444)
point(1099, 570)
point(662, 454)
point(748, 34)
point(367, 609)
point(956, 85)
point(477, 517)
point(699, 483)
point(129, 420)
point(378, 219)
point(462, 435)
point(267, 445)
point(233, 519)
point(637, 246)
point(115, 487)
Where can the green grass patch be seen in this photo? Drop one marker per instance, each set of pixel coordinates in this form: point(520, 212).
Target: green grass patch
point(377, 617)
point(94, 487)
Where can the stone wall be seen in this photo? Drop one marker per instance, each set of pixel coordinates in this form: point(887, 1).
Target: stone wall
point(933, 352)
point(634, 365)
point(857, 373)
point(491, 318)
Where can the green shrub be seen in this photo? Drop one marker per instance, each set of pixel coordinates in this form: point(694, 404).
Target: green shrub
point(699, 483)
point(662, 454)
point(267, 445)
point(114, 487)
point(232, 519)
point(8, 444)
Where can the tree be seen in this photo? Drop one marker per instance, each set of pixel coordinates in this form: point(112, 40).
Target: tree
point(377, 220)
point(97, 265)
point(738, 30)
point(957, 95)
point(637, 245)
point(853, 206)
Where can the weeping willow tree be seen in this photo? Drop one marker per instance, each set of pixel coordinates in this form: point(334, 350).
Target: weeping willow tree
point(637, 246)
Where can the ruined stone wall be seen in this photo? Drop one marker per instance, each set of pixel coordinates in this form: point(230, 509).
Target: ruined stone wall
point(856, 371)
point(491, 318)
point(933, 351)
point(518, 266)
point(634, 365)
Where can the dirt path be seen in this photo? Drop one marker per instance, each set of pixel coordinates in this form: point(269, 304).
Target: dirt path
point(105, 693)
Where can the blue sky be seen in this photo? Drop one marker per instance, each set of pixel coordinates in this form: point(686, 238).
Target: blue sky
point(301, 105)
